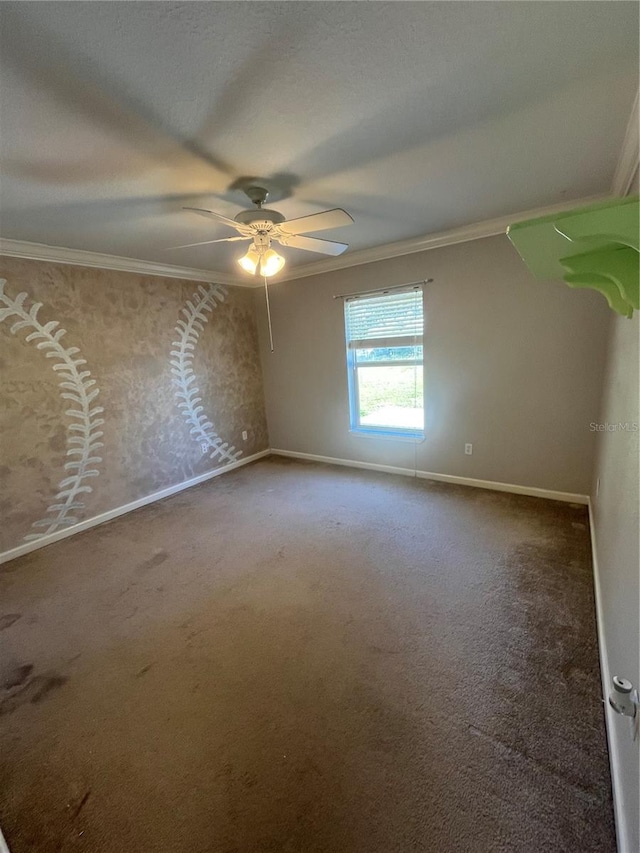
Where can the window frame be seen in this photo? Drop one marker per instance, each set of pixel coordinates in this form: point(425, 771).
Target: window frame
point(355, 426)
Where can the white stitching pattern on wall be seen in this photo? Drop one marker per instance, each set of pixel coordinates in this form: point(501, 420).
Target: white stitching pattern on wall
point(188, 331)
point(82, 432)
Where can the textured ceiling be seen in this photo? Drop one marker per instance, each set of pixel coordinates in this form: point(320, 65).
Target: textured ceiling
point(414, 117)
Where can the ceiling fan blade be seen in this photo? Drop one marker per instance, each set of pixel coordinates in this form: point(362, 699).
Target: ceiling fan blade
point(207, 242)
point(218, 217)
point(335, 218)
point(313, 244)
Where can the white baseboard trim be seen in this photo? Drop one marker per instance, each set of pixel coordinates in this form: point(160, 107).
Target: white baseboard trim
point(33, 545)
point(349, 463)
point(532, 491)
point(609, 714)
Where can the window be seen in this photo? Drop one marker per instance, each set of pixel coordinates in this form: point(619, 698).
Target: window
point(384, 362)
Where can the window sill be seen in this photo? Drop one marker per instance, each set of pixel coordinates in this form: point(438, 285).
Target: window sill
point(413, 438)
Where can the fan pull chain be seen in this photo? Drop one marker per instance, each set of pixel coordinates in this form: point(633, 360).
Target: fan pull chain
point(266, 296)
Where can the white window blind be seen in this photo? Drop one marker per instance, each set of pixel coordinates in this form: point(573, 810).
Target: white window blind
point(390, 319)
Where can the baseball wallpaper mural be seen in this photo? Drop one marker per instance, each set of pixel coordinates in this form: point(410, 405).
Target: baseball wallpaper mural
point(116, 385)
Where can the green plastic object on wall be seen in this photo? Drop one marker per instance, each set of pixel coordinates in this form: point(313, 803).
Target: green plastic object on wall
point(595, 246)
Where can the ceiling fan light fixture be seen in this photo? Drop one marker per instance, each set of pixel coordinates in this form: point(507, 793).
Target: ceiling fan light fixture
point(263, 227)
point(249, 262)
point(271, 263)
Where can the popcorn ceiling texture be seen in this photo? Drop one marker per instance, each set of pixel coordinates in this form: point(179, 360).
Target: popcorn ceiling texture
point(123, 325)
point(147, 105)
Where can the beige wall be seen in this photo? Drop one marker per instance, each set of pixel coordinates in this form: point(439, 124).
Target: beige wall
point(512, 365)
point(123, 325)
point(616, 512)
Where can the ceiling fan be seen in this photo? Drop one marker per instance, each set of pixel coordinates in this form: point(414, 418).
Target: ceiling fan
point(262, 226)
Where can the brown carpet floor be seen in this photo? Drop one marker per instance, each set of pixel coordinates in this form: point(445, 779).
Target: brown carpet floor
point(295, 657)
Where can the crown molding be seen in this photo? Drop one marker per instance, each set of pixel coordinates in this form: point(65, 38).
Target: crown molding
point(475, 231)
point(629, 155)
point(464, 234)
point(81, 258)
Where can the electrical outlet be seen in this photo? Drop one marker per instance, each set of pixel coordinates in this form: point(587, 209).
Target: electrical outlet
point(245, 434)
point(468, 449)
point(204, 447)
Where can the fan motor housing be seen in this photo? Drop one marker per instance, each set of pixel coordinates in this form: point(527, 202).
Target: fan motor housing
point(253, 217)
